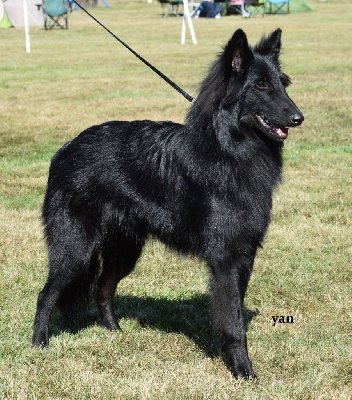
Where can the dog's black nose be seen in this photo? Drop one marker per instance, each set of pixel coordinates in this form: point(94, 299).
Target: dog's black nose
point(297, 119)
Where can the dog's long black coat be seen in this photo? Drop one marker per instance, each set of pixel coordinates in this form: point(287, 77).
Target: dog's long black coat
point(204, 187)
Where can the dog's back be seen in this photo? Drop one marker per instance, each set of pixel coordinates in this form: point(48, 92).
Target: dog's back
point(137, 173)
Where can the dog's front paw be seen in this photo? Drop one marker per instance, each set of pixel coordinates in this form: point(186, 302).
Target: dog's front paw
point(40, 338)
point(242, 370)
point(239, 363)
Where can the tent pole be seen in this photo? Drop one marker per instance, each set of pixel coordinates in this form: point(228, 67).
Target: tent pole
point(187, 16)
point(26, 26)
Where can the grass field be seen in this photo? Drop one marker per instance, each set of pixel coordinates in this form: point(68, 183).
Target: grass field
point(80, 77)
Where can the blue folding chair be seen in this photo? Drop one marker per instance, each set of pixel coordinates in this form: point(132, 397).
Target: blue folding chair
point(56, 13)
point(279, 6)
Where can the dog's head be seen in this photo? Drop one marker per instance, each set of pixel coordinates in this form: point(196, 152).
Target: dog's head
point(256, 86)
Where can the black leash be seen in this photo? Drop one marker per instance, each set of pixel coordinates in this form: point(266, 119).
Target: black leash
point(166, 79)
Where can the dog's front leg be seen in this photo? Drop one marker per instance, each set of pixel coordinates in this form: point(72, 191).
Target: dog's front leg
point(227, 293)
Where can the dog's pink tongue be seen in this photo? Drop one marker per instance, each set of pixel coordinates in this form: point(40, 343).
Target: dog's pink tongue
point(282, 132)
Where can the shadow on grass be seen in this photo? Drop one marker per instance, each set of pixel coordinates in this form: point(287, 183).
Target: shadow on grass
point(190, 317)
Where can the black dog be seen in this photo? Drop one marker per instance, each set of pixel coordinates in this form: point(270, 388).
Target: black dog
point(204, 187)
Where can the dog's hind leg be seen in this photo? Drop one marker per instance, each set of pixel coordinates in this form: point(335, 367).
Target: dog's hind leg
point(119, 259)
point(73, 268)
point(69, 288)
point(47, 300)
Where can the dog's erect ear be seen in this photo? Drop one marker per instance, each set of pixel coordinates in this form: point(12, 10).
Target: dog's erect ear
point(271, 45)
point(237, 52)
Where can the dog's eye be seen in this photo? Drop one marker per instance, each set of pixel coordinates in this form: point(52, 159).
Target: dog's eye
point(262, 85)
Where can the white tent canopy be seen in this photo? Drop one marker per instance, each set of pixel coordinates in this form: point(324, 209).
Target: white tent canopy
point(15, 12)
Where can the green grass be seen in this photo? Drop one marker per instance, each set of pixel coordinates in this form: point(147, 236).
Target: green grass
point(80, 77)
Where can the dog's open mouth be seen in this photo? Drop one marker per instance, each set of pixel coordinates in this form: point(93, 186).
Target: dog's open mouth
point(279, 131)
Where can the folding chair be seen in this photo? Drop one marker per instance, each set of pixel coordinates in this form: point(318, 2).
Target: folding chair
point(171, 7)
point(56, 13)
point(279, 6)
point(238, 7)
point(256, 7)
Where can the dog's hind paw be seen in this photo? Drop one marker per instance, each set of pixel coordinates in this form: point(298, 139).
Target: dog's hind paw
point(109, 323)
